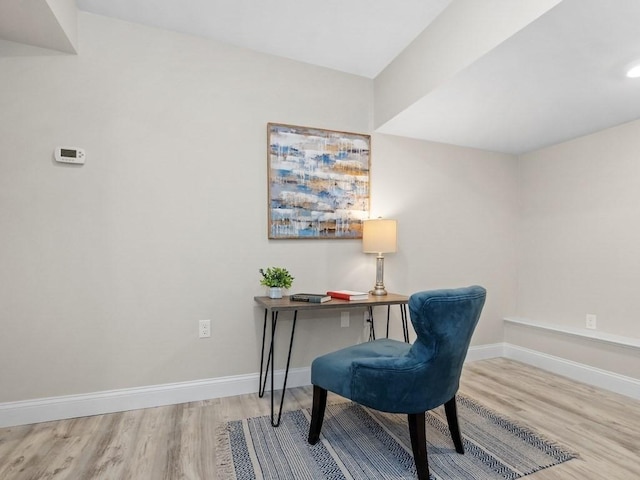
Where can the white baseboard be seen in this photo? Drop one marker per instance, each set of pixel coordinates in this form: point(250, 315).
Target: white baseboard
point(484, 352)
point(576, 371)
point(72, 406)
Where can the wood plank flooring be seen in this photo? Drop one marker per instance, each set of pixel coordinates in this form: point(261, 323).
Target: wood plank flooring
point(178, 442)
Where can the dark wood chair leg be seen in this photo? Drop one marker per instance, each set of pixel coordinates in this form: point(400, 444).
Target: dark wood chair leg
point(452, 419)
point(317, 413)
point(419, 444)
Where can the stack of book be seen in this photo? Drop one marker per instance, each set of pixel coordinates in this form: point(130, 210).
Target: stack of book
point(310, 297)
point(348, 295)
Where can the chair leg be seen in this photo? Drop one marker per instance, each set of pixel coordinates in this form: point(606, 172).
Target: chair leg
point(452, 419)
point(419, 444)
point(317, 413)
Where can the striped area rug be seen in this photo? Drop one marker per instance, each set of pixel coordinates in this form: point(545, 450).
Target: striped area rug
point(359, 443)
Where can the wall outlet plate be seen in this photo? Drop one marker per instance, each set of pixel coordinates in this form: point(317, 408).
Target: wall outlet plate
point(204, 328)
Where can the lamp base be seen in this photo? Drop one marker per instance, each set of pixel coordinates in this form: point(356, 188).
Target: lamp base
point(378, 291)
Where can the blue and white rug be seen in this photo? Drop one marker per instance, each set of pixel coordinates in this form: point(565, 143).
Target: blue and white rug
point(359, 443)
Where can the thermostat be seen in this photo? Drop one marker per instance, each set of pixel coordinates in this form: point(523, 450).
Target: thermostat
point(69, 155)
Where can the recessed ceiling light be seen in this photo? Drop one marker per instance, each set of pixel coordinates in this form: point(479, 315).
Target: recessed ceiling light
point(634, 72)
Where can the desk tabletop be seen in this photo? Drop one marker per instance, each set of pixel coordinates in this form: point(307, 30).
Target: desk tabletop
point(283, 304)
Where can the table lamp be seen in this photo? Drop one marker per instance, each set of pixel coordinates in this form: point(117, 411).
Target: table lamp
point(379, 236)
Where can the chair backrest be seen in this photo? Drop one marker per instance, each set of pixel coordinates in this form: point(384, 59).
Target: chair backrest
point(444, 321)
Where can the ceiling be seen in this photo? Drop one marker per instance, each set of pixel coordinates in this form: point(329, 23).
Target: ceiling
point(29, 27)
point(355, 36)
point(559, 77)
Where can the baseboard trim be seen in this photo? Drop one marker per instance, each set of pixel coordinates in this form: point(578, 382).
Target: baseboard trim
point(72, 406)
point(98, 403)
point(484, 352)
point(576, 371)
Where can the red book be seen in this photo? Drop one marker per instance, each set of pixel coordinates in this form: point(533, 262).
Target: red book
point(348, 295)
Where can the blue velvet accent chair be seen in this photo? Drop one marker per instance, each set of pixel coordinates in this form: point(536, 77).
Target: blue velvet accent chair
point(396, 377)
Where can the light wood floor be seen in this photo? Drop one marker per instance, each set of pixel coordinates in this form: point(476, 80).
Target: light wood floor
point(178, 442)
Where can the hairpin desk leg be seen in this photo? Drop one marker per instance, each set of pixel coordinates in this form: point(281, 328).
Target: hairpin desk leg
point(405, 327)
point(274, 318)
point(263, 383)
point(388, 315)
point(403, 316)
point(372, 328)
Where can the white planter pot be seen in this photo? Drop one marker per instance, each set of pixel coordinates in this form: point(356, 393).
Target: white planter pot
point(275, 292)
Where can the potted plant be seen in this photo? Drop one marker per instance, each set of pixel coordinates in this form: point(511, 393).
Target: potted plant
point(276, 278)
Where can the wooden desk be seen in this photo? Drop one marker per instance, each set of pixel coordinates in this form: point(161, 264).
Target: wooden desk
point(276, 305)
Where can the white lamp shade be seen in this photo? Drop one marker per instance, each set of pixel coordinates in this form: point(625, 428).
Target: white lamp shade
point(379, 236)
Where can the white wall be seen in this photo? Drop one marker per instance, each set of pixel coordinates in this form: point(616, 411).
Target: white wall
point(457, 221)
point(106, 268)
point(580, 246)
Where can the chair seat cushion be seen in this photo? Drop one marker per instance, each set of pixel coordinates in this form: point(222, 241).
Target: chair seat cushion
point(361, 373)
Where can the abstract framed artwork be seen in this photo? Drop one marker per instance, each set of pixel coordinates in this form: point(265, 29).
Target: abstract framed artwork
point(318, 182)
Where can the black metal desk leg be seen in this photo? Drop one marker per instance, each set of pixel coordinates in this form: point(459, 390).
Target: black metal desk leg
point(262, 383)
point(286, 373)
point(388, 315)
point(271, 363)
point(372, 328)
point(274, 321)
point(264, 334)
point(405, 327)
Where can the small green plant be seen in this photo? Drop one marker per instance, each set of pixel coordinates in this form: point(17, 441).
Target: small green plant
point(276, 277)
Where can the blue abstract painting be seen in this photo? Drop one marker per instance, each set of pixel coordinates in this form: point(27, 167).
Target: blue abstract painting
point(318, 182)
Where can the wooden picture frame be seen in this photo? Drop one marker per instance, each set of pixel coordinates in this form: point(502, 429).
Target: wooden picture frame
point(319, 182)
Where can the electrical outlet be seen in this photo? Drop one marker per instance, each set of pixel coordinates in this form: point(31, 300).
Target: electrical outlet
point(591, 321)
point(204, 328)
point(344, 319)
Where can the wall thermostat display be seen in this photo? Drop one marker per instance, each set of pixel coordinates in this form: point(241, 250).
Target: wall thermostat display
point(69, 155)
